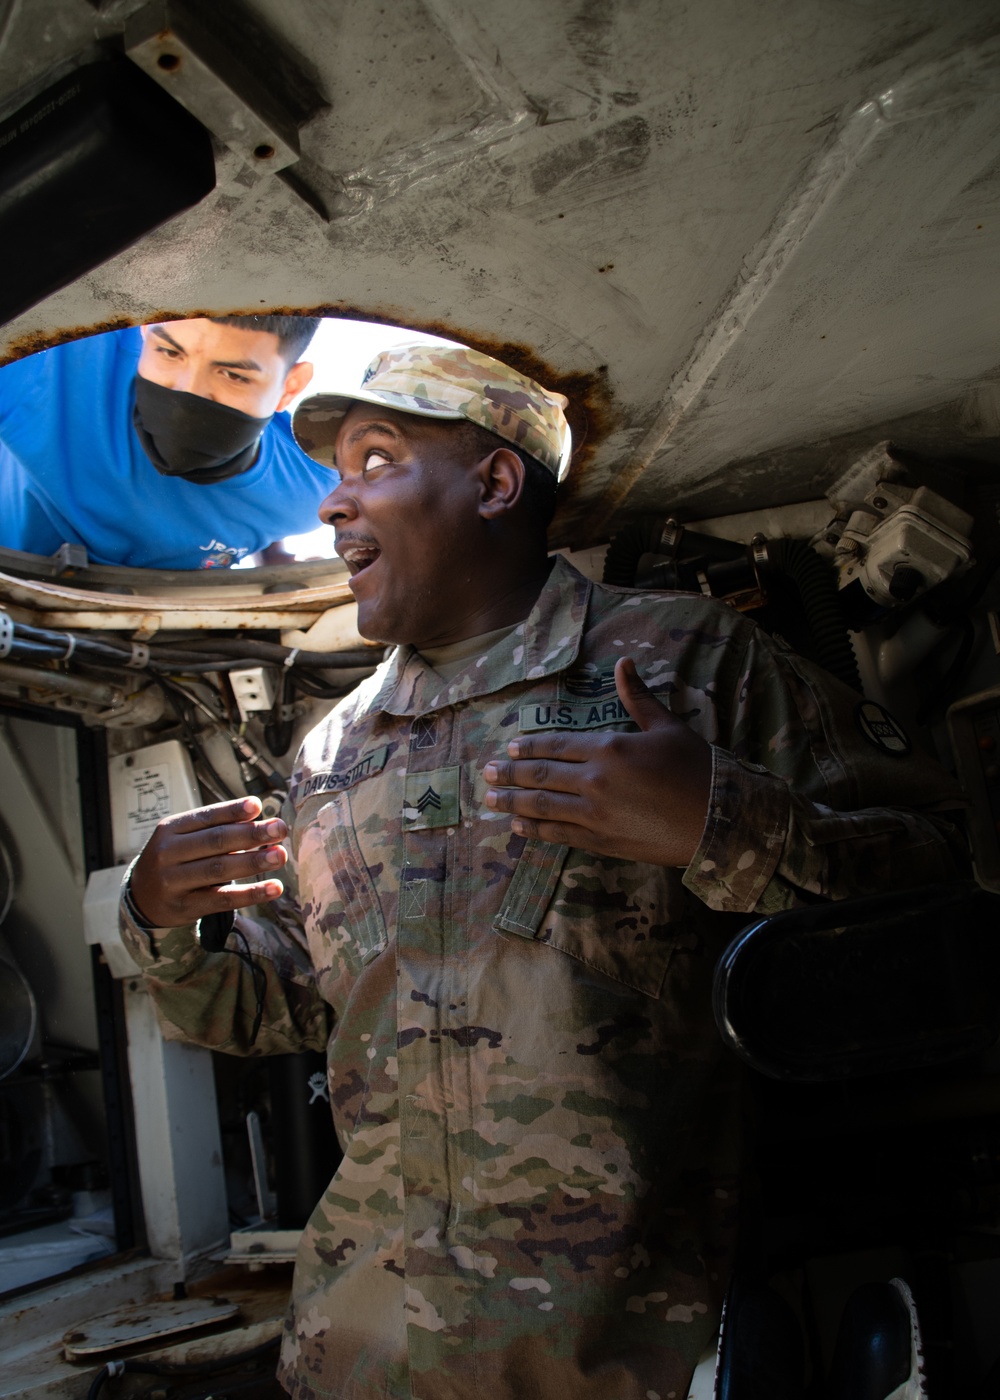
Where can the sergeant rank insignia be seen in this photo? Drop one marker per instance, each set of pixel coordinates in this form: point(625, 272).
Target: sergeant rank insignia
point(431, 799)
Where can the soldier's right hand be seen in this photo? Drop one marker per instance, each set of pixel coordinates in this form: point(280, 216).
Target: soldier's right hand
point(187, 866)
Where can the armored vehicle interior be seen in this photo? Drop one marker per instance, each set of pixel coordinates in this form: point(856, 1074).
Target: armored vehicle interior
point(758, 248)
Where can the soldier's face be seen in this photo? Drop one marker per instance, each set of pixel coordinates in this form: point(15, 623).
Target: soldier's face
point(405, 512)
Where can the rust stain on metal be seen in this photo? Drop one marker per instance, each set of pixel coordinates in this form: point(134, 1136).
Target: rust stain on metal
point(34, 341)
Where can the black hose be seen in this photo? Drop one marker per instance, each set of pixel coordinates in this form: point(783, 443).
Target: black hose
point(628, 547)
point(816, 586)
point(621, 563)
point(805, 571)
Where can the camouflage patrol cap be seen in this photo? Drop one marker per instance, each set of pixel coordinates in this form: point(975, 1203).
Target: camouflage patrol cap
point(452, 383)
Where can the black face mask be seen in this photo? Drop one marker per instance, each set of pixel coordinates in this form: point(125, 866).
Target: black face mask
point(186, 435)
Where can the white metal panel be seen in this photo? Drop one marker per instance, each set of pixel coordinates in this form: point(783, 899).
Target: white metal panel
point(177, 1137)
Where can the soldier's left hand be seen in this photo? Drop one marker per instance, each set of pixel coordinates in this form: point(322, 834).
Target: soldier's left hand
point(638, 796)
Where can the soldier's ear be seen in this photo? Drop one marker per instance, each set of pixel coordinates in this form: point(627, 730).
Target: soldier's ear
point(501, 482)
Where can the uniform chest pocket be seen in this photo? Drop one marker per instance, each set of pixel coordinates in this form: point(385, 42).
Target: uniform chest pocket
point(617, 916)
point(344, 917)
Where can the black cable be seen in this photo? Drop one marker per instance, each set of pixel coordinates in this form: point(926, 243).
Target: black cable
point(199, 667)
point(278, 654)
point(21, 649)
point(213, 934)
point(247, 753)
point(224, 653)
point(259, 980)
point(309, 685)
point(279, 725)
point(210, 780)
point(172, 692)
point(69, 643)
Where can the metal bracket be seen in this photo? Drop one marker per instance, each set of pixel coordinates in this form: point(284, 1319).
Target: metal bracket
point(167, 40)
point(257, 1246)
point(68, 558)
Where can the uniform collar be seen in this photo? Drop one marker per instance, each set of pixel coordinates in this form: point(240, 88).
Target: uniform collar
point(546, 643)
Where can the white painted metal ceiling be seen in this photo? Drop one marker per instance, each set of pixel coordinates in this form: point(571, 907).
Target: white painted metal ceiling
point(753, 239)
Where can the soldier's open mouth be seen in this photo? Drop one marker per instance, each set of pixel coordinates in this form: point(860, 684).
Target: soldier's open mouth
point(357, 557)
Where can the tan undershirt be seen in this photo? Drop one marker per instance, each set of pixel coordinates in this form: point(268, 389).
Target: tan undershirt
point(448, 661)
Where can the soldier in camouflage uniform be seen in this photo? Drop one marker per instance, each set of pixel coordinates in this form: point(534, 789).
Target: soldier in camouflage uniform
point(511, 870)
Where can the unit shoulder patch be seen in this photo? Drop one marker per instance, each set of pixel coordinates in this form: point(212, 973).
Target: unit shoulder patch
point(881, 730)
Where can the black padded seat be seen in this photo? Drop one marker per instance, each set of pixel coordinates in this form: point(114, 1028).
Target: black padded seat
point(874, 985)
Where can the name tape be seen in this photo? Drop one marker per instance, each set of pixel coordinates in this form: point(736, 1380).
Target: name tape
point(338, 780)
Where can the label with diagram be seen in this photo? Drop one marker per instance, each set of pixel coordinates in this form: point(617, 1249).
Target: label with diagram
point(148, 802)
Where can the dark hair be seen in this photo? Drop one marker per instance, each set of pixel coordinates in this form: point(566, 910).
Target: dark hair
point(294, 332)
point(540, 485)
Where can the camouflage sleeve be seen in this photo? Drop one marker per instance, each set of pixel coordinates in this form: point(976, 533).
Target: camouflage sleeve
point(210, 999)
point(818, 793)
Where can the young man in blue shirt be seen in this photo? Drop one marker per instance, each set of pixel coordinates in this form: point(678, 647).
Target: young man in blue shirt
point(163, 447)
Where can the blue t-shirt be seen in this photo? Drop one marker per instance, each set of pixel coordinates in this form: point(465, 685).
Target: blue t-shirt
point(72, 470)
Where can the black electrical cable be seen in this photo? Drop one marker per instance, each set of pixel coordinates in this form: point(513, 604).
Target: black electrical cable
point(310, 684)
point(61, 646)
point(22, 649)
point(181, 1368)
point(174, 692)
point(227, 653)
point(278, 654)
point(259, 980)
point(213, 934)
point(279, 725)
point(214, 785)
point(200, 667)
point(245, 750)
point(198, 664)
